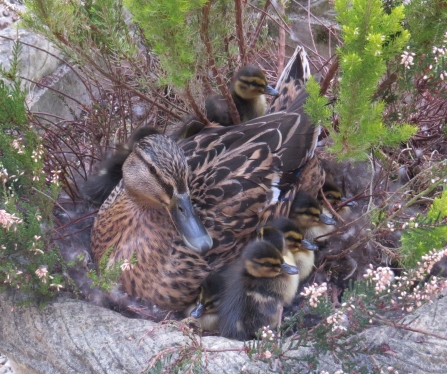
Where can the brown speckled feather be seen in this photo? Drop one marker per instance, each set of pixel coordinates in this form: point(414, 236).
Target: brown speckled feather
point(293, 77)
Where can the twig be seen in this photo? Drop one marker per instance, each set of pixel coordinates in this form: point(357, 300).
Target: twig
point(239, 9)
point(195, 107)
point(405, 327)
point(282, 41)
point(310, 28)
point(114, 79)
point(254, 37)
point(212, 63)
point(331, 209)
point(50, 198)
point(328, 77)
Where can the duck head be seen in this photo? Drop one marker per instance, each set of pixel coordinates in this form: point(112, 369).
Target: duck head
point(156, 176)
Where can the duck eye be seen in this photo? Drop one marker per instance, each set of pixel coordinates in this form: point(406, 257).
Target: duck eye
point(330, 196)
point(152, 169)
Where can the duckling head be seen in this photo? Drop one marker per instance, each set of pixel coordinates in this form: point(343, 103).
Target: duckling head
point(250, 82)
point(274, 236)
point(210, 293)
point(306, 212)
point(155, 177)
point(262, 260)
point(333, 194)
point(293, 235)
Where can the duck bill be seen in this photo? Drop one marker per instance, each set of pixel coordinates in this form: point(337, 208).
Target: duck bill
point(351, 203)
point(327, 220)
point(308, 245)
point(197, 312)
point(269, 90)
point(189, 226)
point(289, 269)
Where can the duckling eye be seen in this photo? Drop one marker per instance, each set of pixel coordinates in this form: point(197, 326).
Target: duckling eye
point(330, 196)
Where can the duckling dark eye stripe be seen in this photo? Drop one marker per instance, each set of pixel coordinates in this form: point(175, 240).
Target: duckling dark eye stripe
point(308, 212)
point(252, 83)
point(166, 187)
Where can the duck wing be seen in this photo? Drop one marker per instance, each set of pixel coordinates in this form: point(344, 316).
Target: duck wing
point(241, 176)
point(291, 80)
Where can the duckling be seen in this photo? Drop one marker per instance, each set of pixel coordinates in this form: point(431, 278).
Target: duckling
point(303, 251)
point(205, 311)
point(307, 213)
point(254, 292)
point(248, 89)
point(276, 237)
point(334, 196)
point(98, 187)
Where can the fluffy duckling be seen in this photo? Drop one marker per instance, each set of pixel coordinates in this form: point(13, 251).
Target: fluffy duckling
point(254, 292)
point(248, 89)
point(303, 251)
point(306, 212)
point(205, 311)
point(100, 185)
point(334, 196)
point(276, 237)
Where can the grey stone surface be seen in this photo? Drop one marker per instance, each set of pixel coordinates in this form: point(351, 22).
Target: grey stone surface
point(42, 62)
point(35, 63)
point(71, 336)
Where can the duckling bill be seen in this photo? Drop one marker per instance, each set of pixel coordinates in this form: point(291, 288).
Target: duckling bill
point(254, 291)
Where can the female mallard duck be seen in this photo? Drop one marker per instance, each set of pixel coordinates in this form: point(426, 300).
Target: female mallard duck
point(302, 250)
point(248, 89)
point(334, 196)
point(255, 289)
point(307, 213)
point(186, 209)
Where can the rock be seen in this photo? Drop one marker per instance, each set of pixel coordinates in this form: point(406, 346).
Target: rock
point(72, 336)
point(35, 62)
point(45, 99)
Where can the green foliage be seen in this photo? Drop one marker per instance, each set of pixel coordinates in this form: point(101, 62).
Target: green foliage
point(109, 272)
point(171, 28)
point(26, 261)
point(82, 24)
point(426, 233)
point(371, 38)
point(317, 106)
point(184, 39)
point(426, 20)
